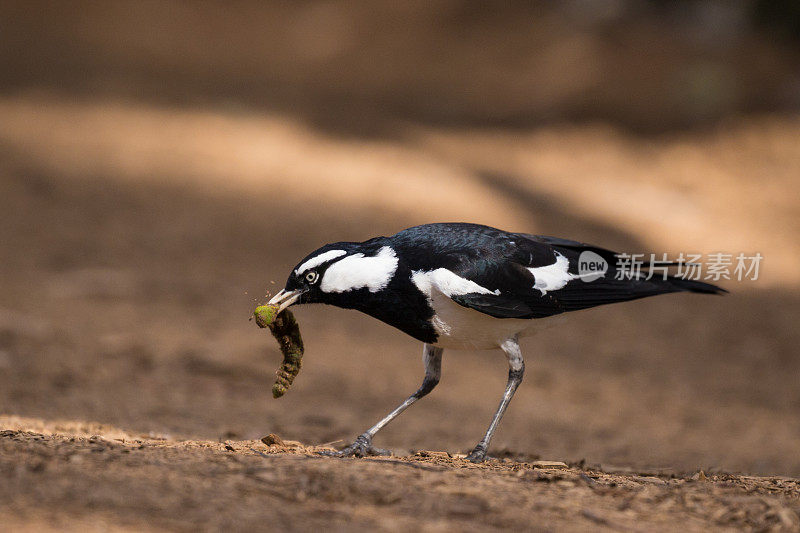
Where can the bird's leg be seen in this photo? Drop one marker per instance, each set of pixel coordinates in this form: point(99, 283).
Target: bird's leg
point(516, 369)
point(432, 359)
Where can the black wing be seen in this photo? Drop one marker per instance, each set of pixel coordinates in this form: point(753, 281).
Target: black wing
point(519, 299)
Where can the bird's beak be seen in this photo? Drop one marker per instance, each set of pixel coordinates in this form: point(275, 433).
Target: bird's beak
point(285, 298)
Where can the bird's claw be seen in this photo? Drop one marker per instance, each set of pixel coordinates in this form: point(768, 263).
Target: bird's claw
point(477, 455)
point(362, 447)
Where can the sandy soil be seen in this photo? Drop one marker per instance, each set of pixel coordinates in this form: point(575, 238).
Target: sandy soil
point(132, 263)
point(190, 485)
point(164, 164)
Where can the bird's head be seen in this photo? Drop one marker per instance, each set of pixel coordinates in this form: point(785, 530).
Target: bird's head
point(339, 274)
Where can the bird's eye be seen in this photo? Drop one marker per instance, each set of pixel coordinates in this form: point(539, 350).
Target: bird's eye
point(312, 276)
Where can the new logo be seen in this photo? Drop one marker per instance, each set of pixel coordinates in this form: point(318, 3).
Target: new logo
point(591, 266)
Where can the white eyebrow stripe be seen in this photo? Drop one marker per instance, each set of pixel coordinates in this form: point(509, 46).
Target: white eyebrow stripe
point(358, 272)
point(319, 259)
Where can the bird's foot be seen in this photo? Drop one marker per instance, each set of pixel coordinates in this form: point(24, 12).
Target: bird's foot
point(478, 454)
point(362, 447)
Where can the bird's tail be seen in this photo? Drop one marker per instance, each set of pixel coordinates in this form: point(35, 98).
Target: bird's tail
point(691, 285)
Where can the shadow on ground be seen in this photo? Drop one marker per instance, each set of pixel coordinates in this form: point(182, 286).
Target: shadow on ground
point(129, 304)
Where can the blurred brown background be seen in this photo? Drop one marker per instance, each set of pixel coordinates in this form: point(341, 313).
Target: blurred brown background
point(164, 164)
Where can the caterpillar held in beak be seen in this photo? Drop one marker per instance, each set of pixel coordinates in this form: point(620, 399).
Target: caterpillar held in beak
point(284, 328)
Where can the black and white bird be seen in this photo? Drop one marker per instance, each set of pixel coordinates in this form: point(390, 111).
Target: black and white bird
point(464, 286)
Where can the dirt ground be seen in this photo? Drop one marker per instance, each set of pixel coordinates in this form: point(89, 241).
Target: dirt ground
point(156, 186)
point(240, 484)
point(133, 259)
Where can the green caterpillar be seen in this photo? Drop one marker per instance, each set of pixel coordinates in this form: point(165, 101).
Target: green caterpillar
point(284, 328)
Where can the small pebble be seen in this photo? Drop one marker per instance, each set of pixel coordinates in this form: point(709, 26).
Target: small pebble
point(430, 453)
point(271, 439)
point(549, 464)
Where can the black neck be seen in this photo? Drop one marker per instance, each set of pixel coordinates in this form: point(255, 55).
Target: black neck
point(400, 304)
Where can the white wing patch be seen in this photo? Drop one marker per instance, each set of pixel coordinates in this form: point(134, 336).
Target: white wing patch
point(357, 272)
point(317, 260)
point(458, 326)
point(447, 283)
point(552, 277)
